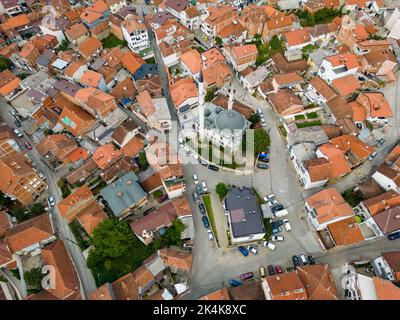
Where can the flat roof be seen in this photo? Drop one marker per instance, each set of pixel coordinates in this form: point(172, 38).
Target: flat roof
point(245, 214)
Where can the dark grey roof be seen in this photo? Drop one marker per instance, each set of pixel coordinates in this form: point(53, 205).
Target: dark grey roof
point(230, 119)
point(36, 95)
point(160, 17)
point(45, 58)
point(97, 64)
point(62, 23)
point(245, 214)
point(177, 5)
point(67, 87)
point(123, 193)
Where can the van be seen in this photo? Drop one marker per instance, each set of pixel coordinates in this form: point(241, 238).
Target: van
point(303, 259)
point(281, 213)
point(243, 251)
point(262, 273)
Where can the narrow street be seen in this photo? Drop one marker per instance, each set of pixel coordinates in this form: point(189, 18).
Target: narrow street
point(60, 225)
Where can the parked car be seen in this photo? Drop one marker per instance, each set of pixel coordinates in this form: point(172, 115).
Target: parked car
point(195, 156)
point(204, 185)
point(252, 249)
point(269, 197)
point(205, 221)
point(205, 38)
point(266, 160)
point(269, 245)
point(243, 251)
point(394, 236)
point(52, 202)
point(276, 208)
point(296, 261)
point(281, 213)
point(278, 269)
point(276, 230)
point(271, 270)
point(276, 223)
point(203, 163)
point(235, 283)
point(262, 166)
point(311, 260)
point(259, 111)
point(195, 178)
point(162, 198)
point(303, 259)
point(263, 274)
point(199, 190)
point(372, 156)
point(41, 176)
point(210, 235)
point(28, 145)
point(212, 167)
point(246, 276)
point(180, 140)
point(277, 238)
point(18, 133)
point(380, 143)
point(287, 225)
point(17, 123)
point(13, 113)
point(202, 209)
point(263, 155)
point(196, 197)
point(263, 123)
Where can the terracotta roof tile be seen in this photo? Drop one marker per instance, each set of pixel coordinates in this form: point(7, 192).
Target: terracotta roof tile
point(76, 30)
point(346, 232)
point(221, 294)
point(132, 61)
point(183, 90)
point(89, 46)
point(346, 85)
point(192, 60)
point(323, 88)
point(133, 147)
point(382, 202)
point(386, 290)
point(375, 104)
point(106, 154)
point(286, 286)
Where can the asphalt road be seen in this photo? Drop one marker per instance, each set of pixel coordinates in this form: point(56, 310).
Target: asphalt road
point(60, 225)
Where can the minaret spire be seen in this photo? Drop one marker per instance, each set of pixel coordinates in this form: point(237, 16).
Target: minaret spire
point(202, 94)
point(231, 93)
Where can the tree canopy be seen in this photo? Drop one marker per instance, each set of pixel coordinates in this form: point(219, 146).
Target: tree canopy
point(261, 140)
point(222, 190)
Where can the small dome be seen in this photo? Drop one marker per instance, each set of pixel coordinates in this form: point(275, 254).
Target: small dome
point(230, 119)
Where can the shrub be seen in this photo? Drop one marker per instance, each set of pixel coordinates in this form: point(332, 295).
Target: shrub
point(222, 190)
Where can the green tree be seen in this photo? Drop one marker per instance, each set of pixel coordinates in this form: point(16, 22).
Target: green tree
point(209, 95)
point(112, 238)
point(143, 163)
point(275, 43)
point(157, 194)
point(64, 46)
point(261, 140)
point(33, 278)
point(4, 63)
point(254, 119)
point(222, 190)
point(36, 209)
point(218, 41)
point(173, 234)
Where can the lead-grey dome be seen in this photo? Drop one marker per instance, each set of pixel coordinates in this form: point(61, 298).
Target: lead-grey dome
point(230, 119)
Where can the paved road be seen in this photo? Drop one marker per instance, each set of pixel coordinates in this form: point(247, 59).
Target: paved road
point(60, 225)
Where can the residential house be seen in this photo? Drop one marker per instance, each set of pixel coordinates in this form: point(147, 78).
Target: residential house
point(345, 232)
point(232, 33)
point(385, 222)
point(346, 86)
point(9, 84)
point(244, 215)
point(377, 108)
point(93, 79)
point(327, 207)
point(90, 48)
point(313, 6)
point(30, 236)
point(54, 149)
point(297, 39)
point(387, 178)
point(55, 27)
point(218, 295)
point(77, 33)
point(147, 227)
point(8, 141)
point(116, 5)
point(286, 103)
point(76, 120)
point(281, 65)
point(135, 33)
point(184, 94)
point(216, 18)
point(124, 195)
point(82, 206)
point(74, 71)
point(191, 62)
point(124, 92)
point(338, 66)
point(217, 75)
point(96, 102)
point(351, 33)
point(382, 202)
point(318, 91)
point(242, 56)
point(176, 7)
point(125, 132)
point(287, 81)
point(159, 18)
point(284, 286)
point(252, 80)
point(19, 180)
point(387, 265)
point(382, 63)
point(191, 18)
point(95, 14)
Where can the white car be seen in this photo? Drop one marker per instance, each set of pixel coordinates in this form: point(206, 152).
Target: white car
point(52, 202)
point(187, 150)
point(269, 245)
point(277, 238)
point(41, 176)
point(195, 178)
point(372, 156)
point(269, 197)
point(195, 156)
point(287, 225)
point(263, 123)
point(19, 134)
point(252, 249)
point(180, 140)
point(204, 185)
point(210, 235)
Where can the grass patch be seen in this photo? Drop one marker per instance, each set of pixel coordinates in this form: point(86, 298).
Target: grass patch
point(151, 60)
point(268, 229)
point(78, 232)
point(308, 124)
point(312, 115)
point(210, 214)
point(369, 125)
point(64, 187)
point(282, 130)
point(112, 41)
point(308, 49)
point(300, 117)
point(310, 106)
point(352, 198)
point(260, 200)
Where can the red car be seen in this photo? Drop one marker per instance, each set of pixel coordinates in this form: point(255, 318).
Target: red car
point(278, 269)
point(28, 145)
